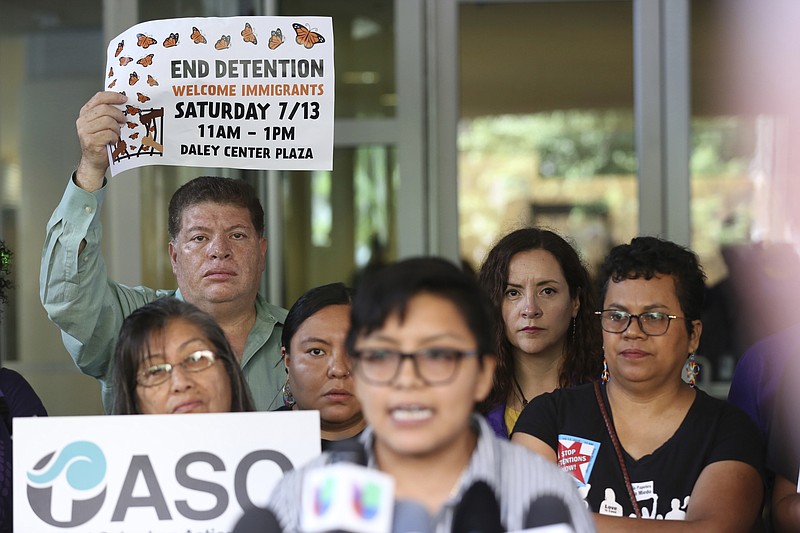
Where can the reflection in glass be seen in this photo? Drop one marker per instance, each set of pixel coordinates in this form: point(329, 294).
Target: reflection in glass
point(339, 223)
point(364, 41)
point(546, 135)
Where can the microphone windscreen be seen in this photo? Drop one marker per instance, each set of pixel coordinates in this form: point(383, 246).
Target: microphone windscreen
point(410, 517)
point(478, 511)
point(258, 520)
point(547, 510)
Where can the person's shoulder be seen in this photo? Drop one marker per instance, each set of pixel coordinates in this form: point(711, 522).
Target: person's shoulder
point(276, 312)
point(11, 380)
point(565, 395)
point(764, 353)
point(9, 376)
point(710, 406)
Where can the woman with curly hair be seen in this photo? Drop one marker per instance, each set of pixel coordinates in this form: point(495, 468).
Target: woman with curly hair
point(547, 337)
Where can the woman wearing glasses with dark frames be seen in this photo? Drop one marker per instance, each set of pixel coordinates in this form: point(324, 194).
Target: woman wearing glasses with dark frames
point(646, 444)
point(422, 350)
point(170, 358)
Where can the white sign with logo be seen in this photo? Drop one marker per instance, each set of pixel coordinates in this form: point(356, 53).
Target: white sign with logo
point(153, 473)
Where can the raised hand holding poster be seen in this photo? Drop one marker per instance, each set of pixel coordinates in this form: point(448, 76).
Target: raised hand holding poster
point(235, 92)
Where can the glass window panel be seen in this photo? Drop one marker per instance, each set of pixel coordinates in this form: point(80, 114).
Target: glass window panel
point(364, 39)
point(51, 57)
point(358, 214)
point(546, 135)
point(157, 9)
point(743, 206)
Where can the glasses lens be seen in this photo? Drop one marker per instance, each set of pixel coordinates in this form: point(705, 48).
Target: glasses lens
point(654, 323)
point(153, 374)
point(437, 365)
point(378, 366)
point(615, 321)
point(157, 373)
point(199, 360)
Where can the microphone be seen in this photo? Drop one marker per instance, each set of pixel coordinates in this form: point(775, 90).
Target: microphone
point(258, 520)
point(548, 514)
point(410, 517)
point(478, 511)
point(345, 495)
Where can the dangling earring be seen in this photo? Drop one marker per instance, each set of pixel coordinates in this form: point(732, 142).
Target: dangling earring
point(692, 370)
point(604, 376)
point(288, 397)
point(574, 327)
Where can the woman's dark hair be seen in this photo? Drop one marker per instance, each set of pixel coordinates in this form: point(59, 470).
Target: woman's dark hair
point(388, 290)
point(133, 347)
point(310, 303)
point(582, 361)
point(646, 257)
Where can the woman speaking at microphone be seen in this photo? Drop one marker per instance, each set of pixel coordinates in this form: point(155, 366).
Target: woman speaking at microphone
point(646, 444)
point(170, 358)
point(319, 372)
point(421, 347)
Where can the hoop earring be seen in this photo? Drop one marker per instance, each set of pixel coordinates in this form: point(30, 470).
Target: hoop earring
point(692, 371)
point(288, 397)
point(604, 376)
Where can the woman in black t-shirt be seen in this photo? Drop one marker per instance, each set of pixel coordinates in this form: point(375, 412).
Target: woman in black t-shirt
point(647, 444)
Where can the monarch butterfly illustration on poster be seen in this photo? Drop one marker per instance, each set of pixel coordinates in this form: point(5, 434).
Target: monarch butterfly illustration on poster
point(142, 98)
point(307, 37)
point(248, 35)
point(197, 37)
point(151, 81)
point(223, 43)
point(146, 61)
point(133, 78)
point(144, 41)
point(120, 46)
point(275, 39)
point(171, 40)
point(124, 61)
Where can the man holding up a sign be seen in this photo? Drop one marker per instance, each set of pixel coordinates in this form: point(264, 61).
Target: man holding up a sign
point(216, 247)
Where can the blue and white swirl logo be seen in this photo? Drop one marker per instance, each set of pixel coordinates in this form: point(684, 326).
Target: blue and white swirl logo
point(83, 466)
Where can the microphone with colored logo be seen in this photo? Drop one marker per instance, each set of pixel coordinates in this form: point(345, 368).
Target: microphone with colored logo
point(548, 514)
point(345, 495)
point(258, 520)
point(478, 511)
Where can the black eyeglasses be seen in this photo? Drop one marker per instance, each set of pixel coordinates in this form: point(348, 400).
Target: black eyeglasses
point(434, 366)
point(156, 374)
point(652, 324)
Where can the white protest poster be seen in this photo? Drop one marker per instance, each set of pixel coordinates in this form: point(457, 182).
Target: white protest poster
point(230, 92)
point(153, 473)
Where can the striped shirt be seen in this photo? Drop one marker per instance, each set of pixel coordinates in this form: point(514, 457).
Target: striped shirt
point(516, 475)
